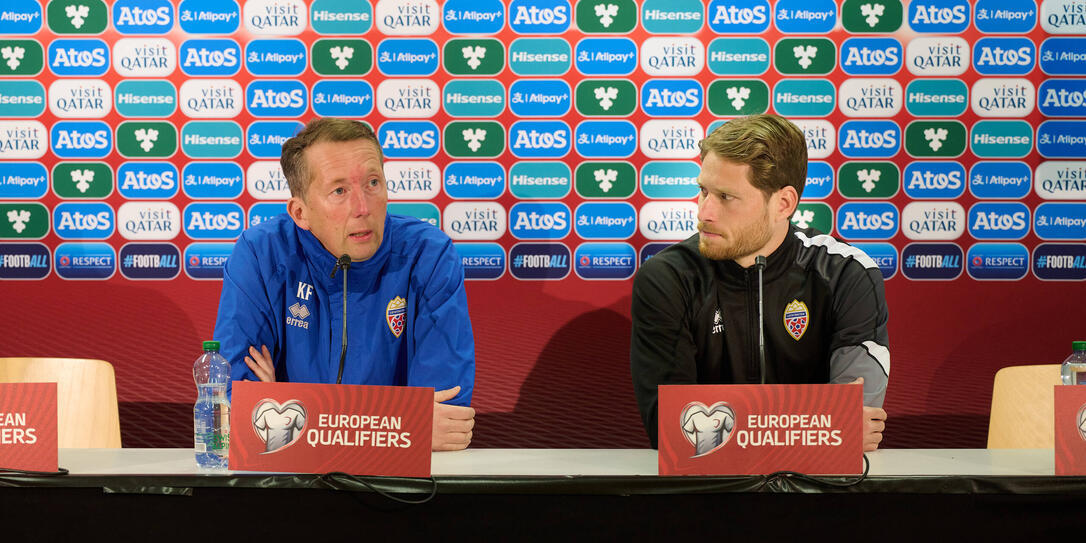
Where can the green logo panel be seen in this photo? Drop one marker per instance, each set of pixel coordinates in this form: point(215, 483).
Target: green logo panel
point(733, 97)
point(605, 179)
point(82, 180)
point(815, 215)
point(871, 16)
point(344, 57)
point(474, 57)
point(605, 98)
point(805, 56)
point(77, 16)
point(868, 179)
point(146, 139)
point(474, 139)
point(27, 220)
point(606, 16)
point(21, 57)
point(935, 138)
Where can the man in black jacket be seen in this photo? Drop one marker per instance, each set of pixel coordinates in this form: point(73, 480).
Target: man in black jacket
point(695, 304)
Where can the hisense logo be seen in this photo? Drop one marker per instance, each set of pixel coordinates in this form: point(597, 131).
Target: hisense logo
point(82, 179)
point(872, 12)
point(342, 56)
point(606, 13)
point(869, 178)
point(935, 137)
point(473, 54)
point(13, 56)
point(474, 137)
point(147, 138)
point(77, 14)
point(738, 96)
point(606, 96)
point(18, 219)
point(803, 217)
point(606, 178)
point(805, 54)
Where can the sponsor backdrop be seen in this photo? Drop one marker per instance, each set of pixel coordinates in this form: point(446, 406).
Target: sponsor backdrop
point(556, 143)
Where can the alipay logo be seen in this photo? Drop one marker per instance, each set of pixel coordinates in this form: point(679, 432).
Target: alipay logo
point(21, 19)
point(67, 58)
point(536, 98)
point(24, 180)
point(474, 221)
point(262, 212)
point(79, 139)
point(148, 221)
point(265, 139)
point(819, 180)
point(672, 138)
point(1062, 139)
point(874, 220)
point(275, 17)
point(934, 180)
point(144, 57)
point(142, 16)
point(1000, 180)
point(1004, 56)
point(933, 220)
point(805, 16)
point(208, 16)
point(671, 97)
point(212, 180)
point(85, 261)
point(668, 220)
point(473, 17)
point(605, 56)
point(24, 261)
point(276, 98)
point(999, 220)
point(942, 56)
point(997, 261)
point(150, 261)
point(939, 16)
point(213, 220)
point(1004, 16)
point(206, 260)
point(90, 220)
point(342, 98)
point(871, 56)
point(412, 180)
point(931, 261)
point(408, 139)
point(869, 139)
point(539, 139)
point(210, 57)
point(605, 261)
point(1060, 221)
point(539, 261)
point(275, 56)
point(147, 180)
point(1058, 56)
point(481, 261)
point(605, 139)
point(539, 220)
point(539, 16)
point(474, 180)
point(417, 57)
point(407, 17)
point(739, 16)
point(605, 220)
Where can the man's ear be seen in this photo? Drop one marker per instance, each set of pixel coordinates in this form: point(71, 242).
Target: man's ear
point(786, 201)
point(298, 211)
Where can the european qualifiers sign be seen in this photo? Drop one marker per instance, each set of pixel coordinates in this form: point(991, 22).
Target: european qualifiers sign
point(28, 426)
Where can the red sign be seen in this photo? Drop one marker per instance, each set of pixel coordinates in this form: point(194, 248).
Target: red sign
point(28, 426)
point(760, 429)
point(1069, 403)
point(317, 428)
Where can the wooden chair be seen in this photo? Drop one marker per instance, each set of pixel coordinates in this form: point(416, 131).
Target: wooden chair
point(1022, 407)
point(86, 397)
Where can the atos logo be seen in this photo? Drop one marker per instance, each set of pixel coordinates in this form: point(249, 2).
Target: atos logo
point(407, 57)
point(1059, 221)
point(738, 56)
point(265, 139)
point(997, 261)
point(212, 139)
point(262, 212)
point(342, 98)
point(414, 180)
point(1063, 97)
point(869, 139)
point(264, 180)
point(481, 260)
point(942, 56)
point(1004, 56)
point(819, 181)
point(1061, 180)
point(671, 56)
point(934, 180)
point(539, 220)
point(211, 98)
point(24, 260)
point(143, 16)
point(804, 97)
point(407, 17)
point(871, 97)
point(867, 220)
point(474, 98)
point(208, 16)
point(1062, 139)
point(1063, 56)
point(605, 261)
point(85, 261)
point(939, 16)
point(475, 221)
point(672, 97)
point(206, 260)
point(671, 138)
point(668, 220)
point(931, 261)
point(605, 220)
point(540, 56)
point(276, 56)
point(276, 98)
point(150, 261)
point(539, 261)
point(1000, 180)
point(539, 139)
point(138, 180)
point(1063, 16)
point(148, 221)
point(540, 98)
point(81, 139)
point(605, 139)
point(412, 98)
point(606, 56)
point(145, 98)
point(78, 57)
point(275, 17)
point(473, 180)
point(408, 139)
point(210, 57)
point(1004, 16)
point(871, 56)
point(205, 220)
point(473, 17)
point(883, 254)
point(820, 136)
point(540, 180)
point(805, 16)
point(24, 180)
point(1060, 261)
point(21, 18)
point(144, 57)
point(739, 16)
point(83, 220)
point(539, 16)
point(999, 220)
point(212, 180)
point(933, 220)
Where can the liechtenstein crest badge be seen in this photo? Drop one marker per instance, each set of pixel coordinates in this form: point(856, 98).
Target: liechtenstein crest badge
point(395, 314)
point(796, 318)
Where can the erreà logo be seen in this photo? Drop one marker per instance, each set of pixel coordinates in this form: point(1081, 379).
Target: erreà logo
point(872, 16)
point(484, 139)
point(606, 16)
point(605, 97)
point(77, 16)
point(481, 57)
point(407, 17)
point(736, 97)
point(738, 16)
point(805, 56)
point(342, 57)
point(275, 17)
point(22, 57)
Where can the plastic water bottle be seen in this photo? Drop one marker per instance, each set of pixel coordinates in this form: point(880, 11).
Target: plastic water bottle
point(1074, 368)
point(211, 414)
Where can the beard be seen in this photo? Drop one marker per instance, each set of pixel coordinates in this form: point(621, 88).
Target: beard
point(744, 242)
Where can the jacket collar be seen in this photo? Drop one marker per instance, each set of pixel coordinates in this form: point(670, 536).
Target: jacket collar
point(777, 263)
point(321, 262)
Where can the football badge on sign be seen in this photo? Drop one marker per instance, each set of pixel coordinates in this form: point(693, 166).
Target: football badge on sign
point(278, 425)
point(796, 318)
point(395, 314)
point(707, 428)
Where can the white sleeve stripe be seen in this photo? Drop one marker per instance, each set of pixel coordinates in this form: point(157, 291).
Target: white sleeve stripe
point(835, 247)
point(880, 353)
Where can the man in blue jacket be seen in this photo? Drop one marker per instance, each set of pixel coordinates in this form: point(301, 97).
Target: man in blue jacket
point(281, 309)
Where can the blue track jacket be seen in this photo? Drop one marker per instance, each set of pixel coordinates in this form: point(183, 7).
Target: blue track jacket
point(407, 311)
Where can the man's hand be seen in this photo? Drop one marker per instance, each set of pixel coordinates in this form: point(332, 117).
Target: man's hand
point(452, 423)
point(261, 363)
point(874, 423)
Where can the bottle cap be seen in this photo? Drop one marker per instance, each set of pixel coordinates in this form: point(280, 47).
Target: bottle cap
point(1078, 345)
point(214, 345)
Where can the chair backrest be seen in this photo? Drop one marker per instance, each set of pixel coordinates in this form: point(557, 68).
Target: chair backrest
point(86, 397)
point(1022, 407)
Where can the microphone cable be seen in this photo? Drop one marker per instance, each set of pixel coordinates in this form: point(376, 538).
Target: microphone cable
point(344, 262)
